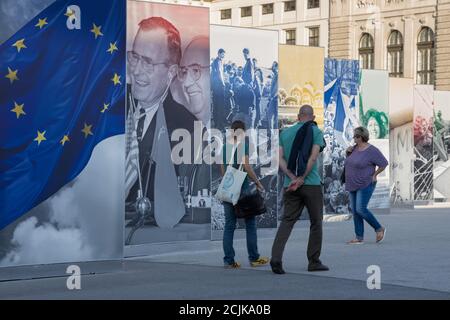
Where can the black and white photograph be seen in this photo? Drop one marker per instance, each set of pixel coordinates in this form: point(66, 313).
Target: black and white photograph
point(167, 91)
point(244, 87)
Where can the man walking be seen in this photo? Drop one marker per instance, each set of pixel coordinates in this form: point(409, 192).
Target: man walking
point(302, 188)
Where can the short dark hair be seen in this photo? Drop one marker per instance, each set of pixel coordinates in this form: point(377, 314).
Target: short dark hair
point(246, 50)
point(221, 51)
point(173, 36)
point(238, 124)
point(362, 132)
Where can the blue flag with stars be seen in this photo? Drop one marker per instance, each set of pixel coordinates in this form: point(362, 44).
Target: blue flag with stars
point(62, 92)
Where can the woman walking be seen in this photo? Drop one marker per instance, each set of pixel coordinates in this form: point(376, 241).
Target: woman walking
point(233, 145)
point(363, 165)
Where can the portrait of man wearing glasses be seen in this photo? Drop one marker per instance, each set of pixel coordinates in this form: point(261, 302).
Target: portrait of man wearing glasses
point(193, 75)
point(152, 116)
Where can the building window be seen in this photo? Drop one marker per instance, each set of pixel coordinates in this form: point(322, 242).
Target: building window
point(290, 36)
point(267, 8)
point(366, 51)
point(395, 54)
point(246, 12)
point(289, 6)
point(314, 36)
point(425, 56)
point(225, 14)
point(312, 4)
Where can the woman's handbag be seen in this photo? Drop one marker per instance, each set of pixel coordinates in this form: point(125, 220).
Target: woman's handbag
point(251, 203)
point(230, 187)
point(348, 153)
point(343, 176)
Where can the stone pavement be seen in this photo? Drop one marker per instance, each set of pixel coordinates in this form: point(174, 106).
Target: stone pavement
point(414, 261)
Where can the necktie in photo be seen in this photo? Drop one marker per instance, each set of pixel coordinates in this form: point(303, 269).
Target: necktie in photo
point(140, 127)
point(169, 204)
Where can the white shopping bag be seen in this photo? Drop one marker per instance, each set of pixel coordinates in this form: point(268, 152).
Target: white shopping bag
point(230, 187)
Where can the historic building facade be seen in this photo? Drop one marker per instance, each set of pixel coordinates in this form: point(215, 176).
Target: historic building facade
point(443, 45)
point(409, 38)
point(300, 22)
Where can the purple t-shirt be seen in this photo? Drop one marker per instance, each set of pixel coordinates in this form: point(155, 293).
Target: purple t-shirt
point(360, 167)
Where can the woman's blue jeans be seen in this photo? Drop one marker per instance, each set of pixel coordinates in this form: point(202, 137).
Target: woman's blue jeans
point(359, 200)
point(228, 234)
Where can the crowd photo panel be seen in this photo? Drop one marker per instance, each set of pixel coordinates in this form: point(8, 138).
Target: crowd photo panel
point(341, 116)
point(244, 86)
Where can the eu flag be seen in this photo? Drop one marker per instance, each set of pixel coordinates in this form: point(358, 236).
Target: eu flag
point(62, 79)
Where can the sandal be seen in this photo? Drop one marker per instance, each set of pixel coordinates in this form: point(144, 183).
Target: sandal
point(355, 241)
point(381, 235)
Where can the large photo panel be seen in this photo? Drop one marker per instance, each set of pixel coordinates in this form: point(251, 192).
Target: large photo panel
point(300, 82)
point(62, 109)
point(244, 86)
point(423, 142)
point(168, 106)
point(441, 146)
point(374, 115)
point(401, 113)
point(341, 116)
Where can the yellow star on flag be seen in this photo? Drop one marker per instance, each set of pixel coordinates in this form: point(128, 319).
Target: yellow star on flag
point(41, 23)
point(87, 130)
point(69, 13)
point(18, 109)
point(64, 140)
point(19, 45)
point(116, 79)
point(105, 107)
point(112, 47)
point(40, 137)
point(12, 75)
point(96, 30)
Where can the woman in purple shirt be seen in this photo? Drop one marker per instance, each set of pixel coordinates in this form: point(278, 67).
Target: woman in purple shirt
point(363, 164)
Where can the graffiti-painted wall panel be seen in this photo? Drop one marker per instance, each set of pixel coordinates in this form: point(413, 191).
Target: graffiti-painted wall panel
point(401, 141)
point(441, 144)
point(423, 142)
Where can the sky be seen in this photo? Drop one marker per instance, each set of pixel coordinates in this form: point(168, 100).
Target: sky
point(16, 13)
